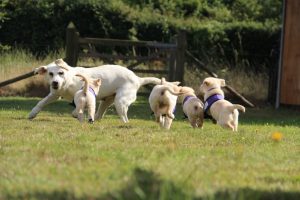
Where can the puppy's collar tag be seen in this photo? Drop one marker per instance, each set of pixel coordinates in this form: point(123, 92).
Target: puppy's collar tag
point(211, 100)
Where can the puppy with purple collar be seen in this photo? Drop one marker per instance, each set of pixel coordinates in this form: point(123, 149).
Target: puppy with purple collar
point(86, 97)
point(192, 107)
point(225, 113)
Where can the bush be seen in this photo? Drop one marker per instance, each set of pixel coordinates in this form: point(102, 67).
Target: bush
point(223, 29)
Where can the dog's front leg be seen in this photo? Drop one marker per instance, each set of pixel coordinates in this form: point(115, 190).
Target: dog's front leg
point(48, 99)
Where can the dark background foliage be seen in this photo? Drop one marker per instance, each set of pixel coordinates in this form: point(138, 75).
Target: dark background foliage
point(230, 31)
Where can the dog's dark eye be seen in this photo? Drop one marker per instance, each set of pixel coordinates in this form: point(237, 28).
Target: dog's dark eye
point(50, 74)
point(61, 73)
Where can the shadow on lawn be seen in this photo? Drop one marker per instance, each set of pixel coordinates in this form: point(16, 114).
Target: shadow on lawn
point(147, 185)
point(136, 110)
point(28, 103)
point(141, 110)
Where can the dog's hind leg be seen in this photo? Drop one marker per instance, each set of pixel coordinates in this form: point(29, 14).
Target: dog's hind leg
point(158, 118)
point(80, 114)
point(122, 111)
point(193, 122)
point(235, 120)
point(91, 110)
point(200, 122)
point(168, 122)
point(122, 101)
point(108, 101)
point(74, 113)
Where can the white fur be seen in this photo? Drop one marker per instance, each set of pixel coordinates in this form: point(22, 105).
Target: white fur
point(85, 98)
point(225, 113)
point(162, 102)
point(119, 86)
point(193, 107)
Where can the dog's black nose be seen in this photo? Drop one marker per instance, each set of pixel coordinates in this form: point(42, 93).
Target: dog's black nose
point(91, 121)
point(55, 84)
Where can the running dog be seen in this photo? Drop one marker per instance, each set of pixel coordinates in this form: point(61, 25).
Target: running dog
point(87, 97)
point(192, 107)
point(118, 85)
point(225, 113)
point(163, 100)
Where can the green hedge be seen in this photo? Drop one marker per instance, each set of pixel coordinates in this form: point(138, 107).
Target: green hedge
point(221, 29)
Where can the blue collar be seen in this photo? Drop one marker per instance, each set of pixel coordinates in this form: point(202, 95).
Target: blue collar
point(92, 91)
point(211, 100)
point(187, 98)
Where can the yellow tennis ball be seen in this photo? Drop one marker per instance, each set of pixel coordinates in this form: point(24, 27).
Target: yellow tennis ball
point(277, 136)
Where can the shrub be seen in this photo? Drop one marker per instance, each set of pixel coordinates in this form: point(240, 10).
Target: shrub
point(219, 29)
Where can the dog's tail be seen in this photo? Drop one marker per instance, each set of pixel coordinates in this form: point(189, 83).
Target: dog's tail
point(86, 83)
point(149, 80)
point(239, 107)
point(166, 88)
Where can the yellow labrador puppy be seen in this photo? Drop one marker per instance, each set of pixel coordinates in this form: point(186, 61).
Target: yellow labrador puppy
point(192, 107)
point(163, 100)
point(86, 97)
point(225, 113)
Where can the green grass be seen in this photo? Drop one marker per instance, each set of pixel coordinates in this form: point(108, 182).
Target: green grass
point(56, 157)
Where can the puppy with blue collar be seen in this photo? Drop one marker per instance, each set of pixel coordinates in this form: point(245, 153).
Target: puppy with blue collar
point(86, 97)
point(225, 113)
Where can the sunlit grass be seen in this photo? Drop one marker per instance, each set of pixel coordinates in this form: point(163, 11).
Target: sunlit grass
point(54, 156)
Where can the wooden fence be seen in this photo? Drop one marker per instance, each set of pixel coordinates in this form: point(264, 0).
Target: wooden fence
point(171, 53)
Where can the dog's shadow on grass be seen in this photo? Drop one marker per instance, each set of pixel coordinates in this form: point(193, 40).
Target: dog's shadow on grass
point(145, 184)
point(27, 104)
point(141, 110)
point(138, 110)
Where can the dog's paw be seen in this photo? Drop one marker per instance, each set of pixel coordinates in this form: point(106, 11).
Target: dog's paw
point(32, 115)
point(171, 115)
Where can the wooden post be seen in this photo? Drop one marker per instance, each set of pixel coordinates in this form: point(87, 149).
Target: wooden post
point(71, 44)
point(172, 62)
point(180, 56)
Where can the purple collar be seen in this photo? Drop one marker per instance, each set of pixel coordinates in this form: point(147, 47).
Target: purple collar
point(187, 98)
point(211, 100)
point(92, 91)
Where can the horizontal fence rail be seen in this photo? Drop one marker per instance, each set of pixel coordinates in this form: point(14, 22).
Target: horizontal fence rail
point(170, 53)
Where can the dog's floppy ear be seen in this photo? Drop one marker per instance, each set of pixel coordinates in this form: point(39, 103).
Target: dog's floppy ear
point(40, 70)
point(61, 63)
point(206, 83)
point(222, 83)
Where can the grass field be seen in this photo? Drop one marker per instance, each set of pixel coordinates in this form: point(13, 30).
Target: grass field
point(56, 157)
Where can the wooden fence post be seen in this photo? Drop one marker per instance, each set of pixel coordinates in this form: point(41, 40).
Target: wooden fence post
point(180, 56)
point(172, 63)
point(71, 44)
